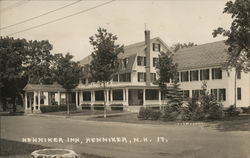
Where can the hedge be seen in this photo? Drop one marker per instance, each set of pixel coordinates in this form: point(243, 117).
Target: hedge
point(56, 108)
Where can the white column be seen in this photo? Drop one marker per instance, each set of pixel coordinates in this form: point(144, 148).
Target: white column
point(25, 101)
point(81, 98)
point(107, 97)
point(144, 96)
point(59, 97)
point(39, 98)
point(126, 92)
point(111, 96)
point(160, 99)
point(77, 104)
point(34, 101)
point(124, 96)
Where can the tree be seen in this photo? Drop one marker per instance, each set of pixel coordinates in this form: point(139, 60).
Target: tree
point(67, 73)
point(105, 58)
point(178, 46)
point(238, 37)
point(166, 70)
point(12, 57)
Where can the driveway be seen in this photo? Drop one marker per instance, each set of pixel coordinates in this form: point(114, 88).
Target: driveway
point(123, 140)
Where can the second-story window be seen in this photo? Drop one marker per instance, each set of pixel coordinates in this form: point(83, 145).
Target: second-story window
point(204, 74)
point(238, 93)
point(194, 75)
point(184, 76)
point(156, 47)
point(216, 73)
point(238, 74)
point(153, 77)
point(115, 78)
point(141, 61)
point(141, 77)
point(155, 61)
point(125, 77)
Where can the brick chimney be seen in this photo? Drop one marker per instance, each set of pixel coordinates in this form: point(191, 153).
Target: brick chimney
point(147, 53)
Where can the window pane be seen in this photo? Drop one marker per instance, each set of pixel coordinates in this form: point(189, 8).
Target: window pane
point(194, 75)
point(118, 94)
point(204, 74)
point(222, 94)
point(238, 93)
point(152, 94)
point(184, 76)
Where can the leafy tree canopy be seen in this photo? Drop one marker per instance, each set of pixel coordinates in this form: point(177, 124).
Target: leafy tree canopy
point(105, 55)
point(178, 46)
point(238, 36)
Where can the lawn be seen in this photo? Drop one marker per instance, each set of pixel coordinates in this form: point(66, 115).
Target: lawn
point(14, 149)
point(238, 123)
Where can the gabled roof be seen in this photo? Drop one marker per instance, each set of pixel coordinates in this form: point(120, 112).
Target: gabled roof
point(129, 50)
point(201, 56)
point(44, 87)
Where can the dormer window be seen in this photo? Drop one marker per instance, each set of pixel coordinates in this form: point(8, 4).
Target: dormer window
point(125, 63)
point(156, 47)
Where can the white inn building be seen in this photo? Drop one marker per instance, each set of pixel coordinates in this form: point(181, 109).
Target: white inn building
point(133, 86)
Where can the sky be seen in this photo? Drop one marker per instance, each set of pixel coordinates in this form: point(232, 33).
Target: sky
point(172, 20)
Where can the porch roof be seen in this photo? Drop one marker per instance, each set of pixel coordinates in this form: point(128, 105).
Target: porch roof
point(55, 87)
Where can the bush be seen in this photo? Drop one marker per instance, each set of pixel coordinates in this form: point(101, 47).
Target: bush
point(215, 111)
point(155, 115)
point(117, 107)
point(56, 108)
point(246, 110)
point(232, 111)
point(86, 106)
point(144, 113)
point(170, 113)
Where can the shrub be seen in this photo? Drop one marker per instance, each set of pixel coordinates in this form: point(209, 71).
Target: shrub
point(155, 115)
point(50, 108)
point(56, 108)
point(246, 110)
point(170, 113)
point(215, 110)
point(86, 106)
point(232, 111)
point(117, 107)
point(144, 113)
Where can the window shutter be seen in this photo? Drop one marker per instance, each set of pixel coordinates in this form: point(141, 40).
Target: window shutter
point(145, 77)
point(153, 46)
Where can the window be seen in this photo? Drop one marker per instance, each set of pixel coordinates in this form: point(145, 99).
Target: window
point(204, 74)
point(156, 47)
point(141, 77)
point(184, 76)
point(115, 78)
point(238, 74)
point(216, 73)
point(141, 61)
point(238, 93)
point(153, 77)
point(177, 76)
point(125, 63)
point(222, 94)
point(125, 77)
point(86, 96)
point(152, 94)
point(117, 94)
point(214, 93)
point(155, 62)
point(194, 75)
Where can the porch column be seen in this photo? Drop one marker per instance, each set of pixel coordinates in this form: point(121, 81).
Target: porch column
point(34, 101)
point(111, 96)
point(144, 97)
point(81, 97)
point(92, 99)
point(39, 98)
point(77, 104)
point(126, 94)
point(107, 97)
point(59, 97)
point(26, 101)
point(160, 99)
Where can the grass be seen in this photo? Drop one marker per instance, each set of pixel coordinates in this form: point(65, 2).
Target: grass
point(14, 149)
point(238, 123)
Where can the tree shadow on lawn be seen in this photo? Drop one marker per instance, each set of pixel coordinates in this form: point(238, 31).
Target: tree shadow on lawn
point(11, 148)
point(15, 149)
point(237, 123)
